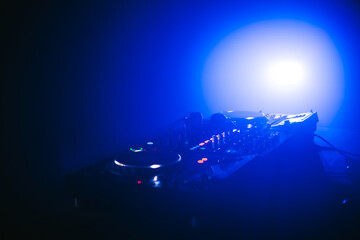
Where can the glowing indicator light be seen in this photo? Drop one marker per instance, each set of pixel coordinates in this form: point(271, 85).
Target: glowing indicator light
point(155, 166)
point(149, 143)
point(204, 159)
point(119, 164)
point(207, 141)
point(201, 144)
point(345, 201)
point(202, 148)
point(136, 150)
point(139, 182)
point(193, 148)
point(200, 161)
point(156, 182)
point(249, 118)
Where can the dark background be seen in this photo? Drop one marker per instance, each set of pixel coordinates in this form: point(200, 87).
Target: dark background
point(83, 80)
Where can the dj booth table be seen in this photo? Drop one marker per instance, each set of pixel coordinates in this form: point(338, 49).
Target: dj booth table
point(280, 192)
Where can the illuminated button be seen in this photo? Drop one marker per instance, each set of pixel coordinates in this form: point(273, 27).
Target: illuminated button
point(139, 182)
point(136, 150)
point(200, 161)
point(201, 144)
point(204, 159)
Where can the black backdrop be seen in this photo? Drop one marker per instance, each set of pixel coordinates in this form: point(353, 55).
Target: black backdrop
point(83, 80)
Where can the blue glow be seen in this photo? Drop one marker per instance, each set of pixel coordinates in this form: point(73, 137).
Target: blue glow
point(156, 182)
point(275, 66)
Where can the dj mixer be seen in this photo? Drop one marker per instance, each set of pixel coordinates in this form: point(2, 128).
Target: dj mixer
point(203, 174)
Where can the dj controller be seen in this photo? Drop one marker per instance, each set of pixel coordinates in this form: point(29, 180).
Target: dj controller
point(203, 175)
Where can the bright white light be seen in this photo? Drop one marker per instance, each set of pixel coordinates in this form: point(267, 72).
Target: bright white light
point(155, 166)
point(278, 66)
point(119, 164)
point(285, 74)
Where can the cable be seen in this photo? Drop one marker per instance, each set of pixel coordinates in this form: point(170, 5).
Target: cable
point(342, 152)
point(335, 148)
point(323, 148)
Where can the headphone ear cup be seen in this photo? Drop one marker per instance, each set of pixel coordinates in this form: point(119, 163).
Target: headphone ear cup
point(194, 125)
point(219, 122)
point(195, 119)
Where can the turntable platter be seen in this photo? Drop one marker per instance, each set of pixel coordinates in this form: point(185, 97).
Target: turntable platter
point(147, 159)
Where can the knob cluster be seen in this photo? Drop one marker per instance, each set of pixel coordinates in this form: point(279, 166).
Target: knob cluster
point(239, 141)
